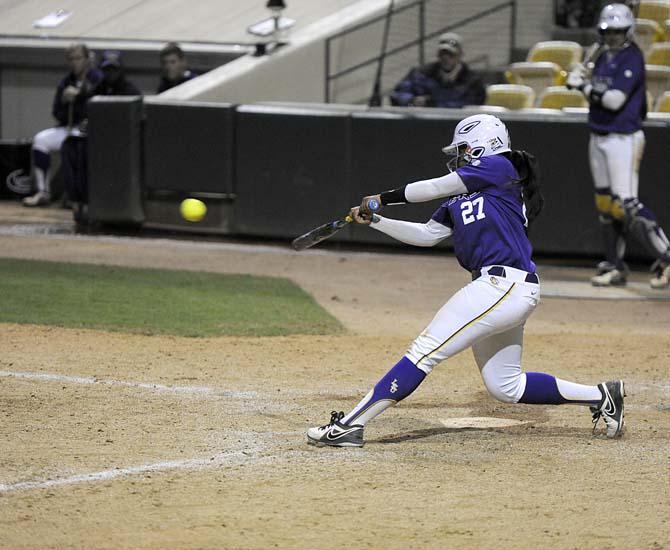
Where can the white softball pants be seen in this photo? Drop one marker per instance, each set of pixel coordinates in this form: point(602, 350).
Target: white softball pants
point(51, 139)
point(488, 315)
point(615, 162)
point(47, 141)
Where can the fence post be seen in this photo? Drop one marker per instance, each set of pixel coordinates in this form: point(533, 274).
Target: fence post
point(422, 32)
point(327, 69)
point(512, 42)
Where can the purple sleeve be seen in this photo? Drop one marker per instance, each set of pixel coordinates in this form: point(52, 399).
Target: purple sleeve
point(629, 73)
point(441, 215)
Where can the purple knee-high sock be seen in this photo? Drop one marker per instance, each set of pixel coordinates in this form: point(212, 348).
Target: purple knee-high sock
point(543, 389)
point(396, 384)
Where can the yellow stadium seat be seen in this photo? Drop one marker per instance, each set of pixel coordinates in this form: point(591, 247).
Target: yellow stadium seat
point(663, 103)
point(659, 54)
point(647, 32)
point(564, 53)
point(658, 79)
point(536, 74)
point(510, 96)
point(656, 10)
point(557, 97)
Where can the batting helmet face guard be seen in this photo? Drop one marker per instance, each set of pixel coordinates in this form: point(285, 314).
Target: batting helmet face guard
point(616, 18)
point(475, 137)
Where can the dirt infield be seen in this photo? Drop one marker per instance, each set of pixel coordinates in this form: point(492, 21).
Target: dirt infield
point(114, 440)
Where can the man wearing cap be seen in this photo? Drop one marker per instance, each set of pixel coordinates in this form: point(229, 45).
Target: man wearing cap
point(114, 79)
point(447, 82)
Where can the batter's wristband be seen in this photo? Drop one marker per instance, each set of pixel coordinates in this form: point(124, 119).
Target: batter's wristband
point(395, 196)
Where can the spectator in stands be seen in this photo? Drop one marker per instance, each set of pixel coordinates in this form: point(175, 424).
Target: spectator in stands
point(69, 110)
point(575, 14)
point(447, 82)
point(73, 151)
point(174, 67)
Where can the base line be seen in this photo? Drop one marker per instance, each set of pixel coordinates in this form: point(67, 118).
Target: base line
point(197, 390)
point(222, 459)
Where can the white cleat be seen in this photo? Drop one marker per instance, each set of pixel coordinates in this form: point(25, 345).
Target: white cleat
point(336, 434)
point(661, 277)
point(38, 199)
point(613, 277)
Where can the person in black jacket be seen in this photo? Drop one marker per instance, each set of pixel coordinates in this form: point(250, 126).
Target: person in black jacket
point(447, 82)
point(174, 67)
point(69, 110)
point(74, 153)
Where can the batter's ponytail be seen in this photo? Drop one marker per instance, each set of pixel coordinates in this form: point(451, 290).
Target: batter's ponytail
point(529, 172)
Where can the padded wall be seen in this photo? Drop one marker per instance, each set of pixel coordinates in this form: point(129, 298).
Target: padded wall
point(114, 168)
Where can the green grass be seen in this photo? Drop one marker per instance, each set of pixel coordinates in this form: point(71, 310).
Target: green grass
point(156, 301)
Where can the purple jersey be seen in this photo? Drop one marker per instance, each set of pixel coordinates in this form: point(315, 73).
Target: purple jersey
point(623, 70)
point(488, 222)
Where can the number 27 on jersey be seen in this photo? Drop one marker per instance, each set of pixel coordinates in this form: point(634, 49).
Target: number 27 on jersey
point(473, 210)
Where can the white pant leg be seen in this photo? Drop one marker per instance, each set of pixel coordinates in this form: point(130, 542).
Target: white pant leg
point(624, 153)
point(499, 360)
point(598, 163)
point(50, 140)
point(486, 306)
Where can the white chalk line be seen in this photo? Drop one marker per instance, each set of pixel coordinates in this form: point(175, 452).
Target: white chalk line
point(229, 458)
point(196, 390)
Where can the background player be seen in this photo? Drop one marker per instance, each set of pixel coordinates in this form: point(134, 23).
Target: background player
point(618, 104)
point(493, 194)
point(69, 110)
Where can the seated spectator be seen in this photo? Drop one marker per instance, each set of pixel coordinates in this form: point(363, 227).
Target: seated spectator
point(69, 110)
point(73, 151)
point(174, 67)
point(114, 79)
point(575, 14)
point(447, 82)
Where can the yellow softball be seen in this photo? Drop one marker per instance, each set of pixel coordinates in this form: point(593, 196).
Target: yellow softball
point(192, 210)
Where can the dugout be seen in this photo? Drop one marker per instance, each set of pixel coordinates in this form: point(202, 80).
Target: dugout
point(282, 169)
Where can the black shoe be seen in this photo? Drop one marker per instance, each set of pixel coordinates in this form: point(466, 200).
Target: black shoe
point(610, 408)
point(336, 434)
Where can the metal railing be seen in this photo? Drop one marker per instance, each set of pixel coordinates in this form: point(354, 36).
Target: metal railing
point(419, 41)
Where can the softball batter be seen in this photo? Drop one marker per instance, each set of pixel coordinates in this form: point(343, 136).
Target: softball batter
point(492, 193)
point(617, 99)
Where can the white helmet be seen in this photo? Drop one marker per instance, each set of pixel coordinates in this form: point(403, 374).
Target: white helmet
point(616, 17)
point(475, 137)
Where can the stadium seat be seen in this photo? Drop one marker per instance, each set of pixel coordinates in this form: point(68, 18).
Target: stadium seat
point(659, 54)
point(658, 79)
point(656, 10)
point(647, 32)
point(564, 53)
point(538, 75)
point(663, 103)
point(510, 96)
point(558, 97)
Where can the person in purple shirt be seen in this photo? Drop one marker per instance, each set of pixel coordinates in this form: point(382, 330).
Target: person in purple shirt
point(492, 194)
point(616, 92)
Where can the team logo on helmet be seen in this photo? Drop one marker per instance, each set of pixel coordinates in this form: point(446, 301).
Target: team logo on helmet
point(477, 152)
point(469, 127)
